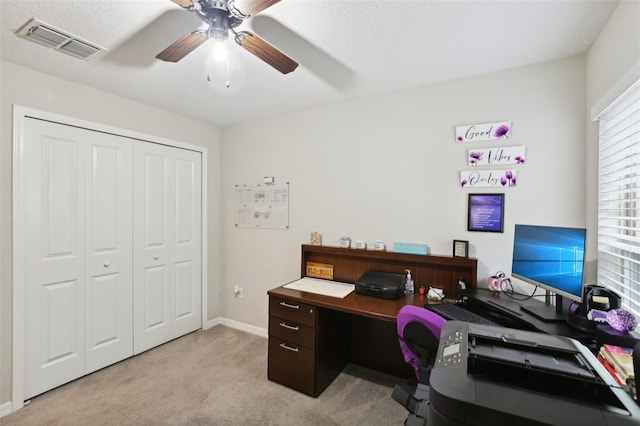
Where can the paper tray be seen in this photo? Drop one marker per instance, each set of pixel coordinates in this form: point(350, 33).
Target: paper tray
point(324, 287)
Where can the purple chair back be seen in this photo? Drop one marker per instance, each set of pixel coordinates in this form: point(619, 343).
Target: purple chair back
point(418, 334)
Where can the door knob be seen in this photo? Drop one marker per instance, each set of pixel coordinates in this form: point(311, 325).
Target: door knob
point(155, 257)
point(106, 263)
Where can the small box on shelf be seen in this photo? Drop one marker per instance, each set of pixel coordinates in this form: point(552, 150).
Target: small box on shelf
point(410, 248)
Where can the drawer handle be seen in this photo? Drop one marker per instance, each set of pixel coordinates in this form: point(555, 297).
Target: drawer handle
point(288, 305)
point(290, 327)
point(290, 348)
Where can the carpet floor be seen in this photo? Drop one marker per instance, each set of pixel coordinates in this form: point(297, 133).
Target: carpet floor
point(212, 377)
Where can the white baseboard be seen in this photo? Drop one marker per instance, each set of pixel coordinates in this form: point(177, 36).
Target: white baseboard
point(262, 332)
point(213, 323)
point(6, 409)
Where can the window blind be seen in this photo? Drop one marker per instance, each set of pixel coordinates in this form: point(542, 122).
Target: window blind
point(619, 198)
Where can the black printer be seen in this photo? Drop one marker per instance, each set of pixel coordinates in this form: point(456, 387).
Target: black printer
point(386, 285)
point(486, 375)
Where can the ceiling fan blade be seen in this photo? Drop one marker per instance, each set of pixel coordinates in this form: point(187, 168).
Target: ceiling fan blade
point(266, 52)
point(184, 3)
point(253, 7)
point(182, 47)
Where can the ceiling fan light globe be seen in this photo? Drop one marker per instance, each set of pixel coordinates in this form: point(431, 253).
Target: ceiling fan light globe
point(219, 51)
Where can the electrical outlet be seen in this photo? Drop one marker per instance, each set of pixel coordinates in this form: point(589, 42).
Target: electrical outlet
point(237, 291)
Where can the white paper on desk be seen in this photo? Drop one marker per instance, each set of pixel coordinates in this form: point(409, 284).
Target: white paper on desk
point(324, 287)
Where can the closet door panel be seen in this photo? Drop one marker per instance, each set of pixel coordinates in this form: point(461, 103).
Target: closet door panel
point(167, 244)
point(53, 179)
point(184, 293)
point(109, 227)
point(153, 222)
point(187, 243)
point(102, 302)
point(156, 287)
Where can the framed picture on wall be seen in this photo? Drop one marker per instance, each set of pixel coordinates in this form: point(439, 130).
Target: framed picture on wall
point(485, 213)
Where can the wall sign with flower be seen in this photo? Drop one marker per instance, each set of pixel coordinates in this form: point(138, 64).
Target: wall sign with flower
point(496, 156)
point(483, 132)
point(488, 178)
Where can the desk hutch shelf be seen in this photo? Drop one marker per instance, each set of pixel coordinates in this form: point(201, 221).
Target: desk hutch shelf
point(430, 271)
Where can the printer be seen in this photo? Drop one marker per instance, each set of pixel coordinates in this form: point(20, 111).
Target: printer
point(486, 375)
point(386, 285)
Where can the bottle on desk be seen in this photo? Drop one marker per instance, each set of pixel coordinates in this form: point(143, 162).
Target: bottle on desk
point(408, 283)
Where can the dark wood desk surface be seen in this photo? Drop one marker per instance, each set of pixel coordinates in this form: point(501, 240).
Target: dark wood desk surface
point(372, 327)
point(387, 310)
point(489, 302)
point(356, 304)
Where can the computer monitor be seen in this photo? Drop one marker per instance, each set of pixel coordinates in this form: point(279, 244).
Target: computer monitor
point(551, 258)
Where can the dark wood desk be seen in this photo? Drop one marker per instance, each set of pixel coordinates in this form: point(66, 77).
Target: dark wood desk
point(312, 337)
point(506, 311)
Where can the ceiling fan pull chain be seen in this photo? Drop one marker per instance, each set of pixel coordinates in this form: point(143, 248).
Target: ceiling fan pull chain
point(228, 83)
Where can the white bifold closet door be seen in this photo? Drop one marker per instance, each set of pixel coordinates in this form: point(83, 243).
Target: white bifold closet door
point(78, 272)
point(112, 233)
point(167, 244)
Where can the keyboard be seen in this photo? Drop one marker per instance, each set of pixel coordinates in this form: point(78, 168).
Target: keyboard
point(451, 311)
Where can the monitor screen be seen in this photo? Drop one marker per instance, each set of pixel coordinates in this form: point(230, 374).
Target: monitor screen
point(550, 257)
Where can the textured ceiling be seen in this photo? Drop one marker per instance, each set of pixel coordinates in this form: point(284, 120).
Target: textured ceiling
point(346, 49)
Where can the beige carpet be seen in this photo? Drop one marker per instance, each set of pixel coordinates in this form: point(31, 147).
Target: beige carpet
point(213, 377)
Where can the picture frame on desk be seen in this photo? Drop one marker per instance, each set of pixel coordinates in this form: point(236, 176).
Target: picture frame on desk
point(461, 248)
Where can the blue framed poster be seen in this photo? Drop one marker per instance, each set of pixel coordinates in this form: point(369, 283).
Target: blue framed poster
point(486, 213)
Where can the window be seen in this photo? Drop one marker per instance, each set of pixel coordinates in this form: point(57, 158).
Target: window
point(619, 198)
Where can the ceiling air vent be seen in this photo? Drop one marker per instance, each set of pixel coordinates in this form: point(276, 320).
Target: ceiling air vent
point(59, 40)
point(79, 48)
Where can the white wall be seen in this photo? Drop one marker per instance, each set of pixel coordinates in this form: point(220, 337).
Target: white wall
point(388, 168)
point(615, 52)
point(612, 63)
point(32, 89)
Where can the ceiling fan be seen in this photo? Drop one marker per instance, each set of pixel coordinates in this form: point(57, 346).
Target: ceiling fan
point(222, 17)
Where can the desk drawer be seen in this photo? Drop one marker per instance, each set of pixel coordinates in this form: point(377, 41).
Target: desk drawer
point(292, 332)
point(297, 312)
point(292, 365)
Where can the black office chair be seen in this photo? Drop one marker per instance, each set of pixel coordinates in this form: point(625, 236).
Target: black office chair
point(419, 336)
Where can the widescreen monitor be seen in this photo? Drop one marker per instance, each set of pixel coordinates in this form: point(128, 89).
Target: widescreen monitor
point(550, 257)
